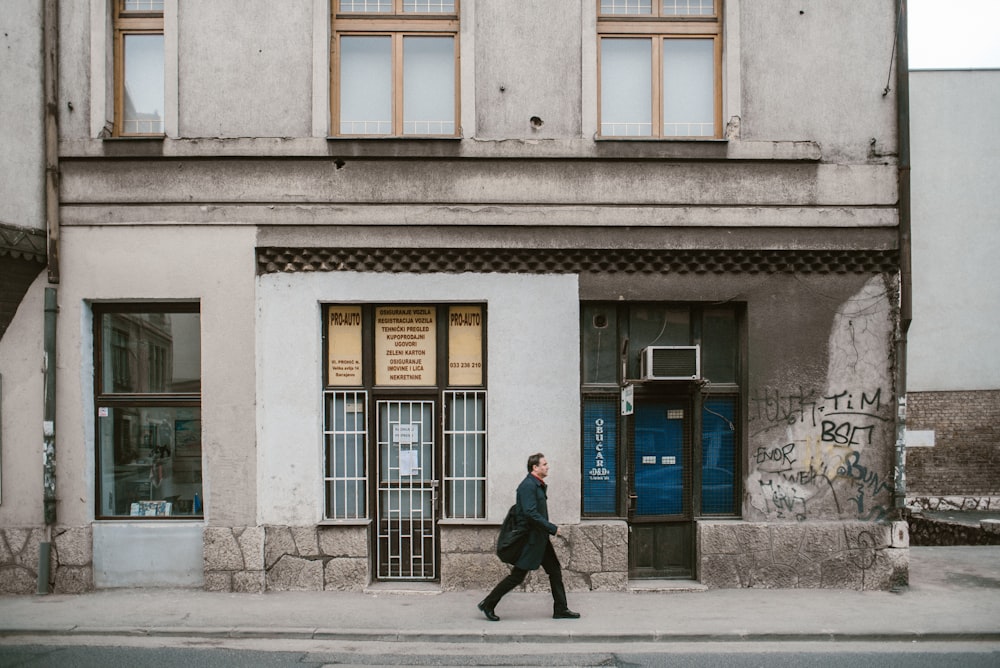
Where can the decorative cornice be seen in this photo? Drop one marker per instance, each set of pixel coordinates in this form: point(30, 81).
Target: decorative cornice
point(23, 243)
point(574, 261)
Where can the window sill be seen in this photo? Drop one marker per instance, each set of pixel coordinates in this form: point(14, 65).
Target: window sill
point(344, 523)
point(115, 138)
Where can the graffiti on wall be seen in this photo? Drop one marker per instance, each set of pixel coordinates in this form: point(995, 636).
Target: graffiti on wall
point(823, 451)
point(823, 454)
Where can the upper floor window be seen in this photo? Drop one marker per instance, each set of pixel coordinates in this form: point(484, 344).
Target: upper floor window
point(139, 61)
point(395, 68)
point(660, 68)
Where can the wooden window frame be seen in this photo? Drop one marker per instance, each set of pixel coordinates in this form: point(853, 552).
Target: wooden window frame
point(658, 29)
point(396, 25)
point(130, 22)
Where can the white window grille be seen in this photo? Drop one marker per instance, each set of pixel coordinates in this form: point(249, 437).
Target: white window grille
point(346, 445)
point(465, 454)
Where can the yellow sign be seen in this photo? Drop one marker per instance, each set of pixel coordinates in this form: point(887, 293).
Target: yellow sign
point(465, 345)
point(343, 341)
point(405, 345)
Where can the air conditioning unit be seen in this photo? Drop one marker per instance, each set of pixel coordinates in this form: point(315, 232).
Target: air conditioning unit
point(671, 362)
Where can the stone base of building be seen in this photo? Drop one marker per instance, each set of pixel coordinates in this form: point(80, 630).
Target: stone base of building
point(594, 555)
point(70, 559)
point(835, 555)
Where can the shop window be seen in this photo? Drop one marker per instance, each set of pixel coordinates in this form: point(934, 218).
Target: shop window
point(660, 68)
point(139, 68)
point(381, 356)
point(718, 456)
point(622, 428)
point(395, 68)
point(147, 387)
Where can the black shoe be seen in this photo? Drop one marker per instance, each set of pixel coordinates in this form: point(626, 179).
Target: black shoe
point(490, 615)
point(566, 614)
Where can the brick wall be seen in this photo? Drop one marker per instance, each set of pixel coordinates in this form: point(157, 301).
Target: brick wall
point(965, 459)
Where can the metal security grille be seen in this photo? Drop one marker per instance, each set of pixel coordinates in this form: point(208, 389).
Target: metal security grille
point(407, 491)
point(465, 454)
point(345, 436)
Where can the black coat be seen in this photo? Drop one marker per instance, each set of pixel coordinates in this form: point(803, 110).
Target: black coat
point(532, 503)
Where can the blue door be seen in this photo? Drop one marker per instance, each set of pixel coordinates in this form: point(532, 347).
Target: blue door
point(661, 530)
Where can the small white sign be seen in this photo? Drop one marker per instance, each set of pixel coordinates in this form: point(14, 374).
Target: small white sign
point(406, 434)
point(102, 411)
point(628, 399)
point(409, 463)
point(919, 439)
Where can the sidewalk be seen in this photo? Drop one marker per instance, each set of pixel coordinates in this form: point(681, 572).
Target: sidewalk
point(954, 593)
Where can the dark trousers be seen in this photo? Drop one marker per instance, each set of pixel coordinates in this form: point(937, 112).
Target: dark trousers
point(550, 562)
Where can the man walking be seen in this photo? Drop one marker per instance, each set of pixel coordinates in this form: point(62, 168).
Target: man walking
point(532, 505)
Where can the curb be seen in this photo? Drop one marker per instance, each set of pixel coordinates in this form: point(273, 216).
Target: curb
point(473, 637)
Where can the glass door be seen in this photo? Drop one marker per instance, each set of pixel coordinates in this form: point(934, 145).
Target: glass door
point(406, 498)
point(661, 540)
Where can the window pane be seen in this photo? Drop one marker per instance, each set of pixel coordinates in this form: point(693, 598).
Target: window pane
point(688, 7)
point(600, 459)
point(346, 434)
point(656, 326)
point(600, 344)
point(465, 454)
point(720, 343)
point(366, 85)
point(143, 103)
point(626, 87)
point(150, 353)
point(150, 461)
point(429, 85)
point(368, 6)
point(718, 456)
point(429, 6)
point(143, 5)
point(637, 7)
point(688, 88)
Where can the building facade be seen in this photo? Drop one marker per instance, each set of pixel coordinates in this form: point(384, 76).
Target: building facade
point(329, 271)
point(954, 400)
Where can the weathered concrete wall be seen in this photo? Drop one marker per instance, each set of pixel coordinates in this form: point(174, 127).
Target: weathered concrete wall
point(22, 170)
point(821, 431)
point(793, 92)
point(248, 63)
point(21, 355)
point(842, 555)
point(528, 68)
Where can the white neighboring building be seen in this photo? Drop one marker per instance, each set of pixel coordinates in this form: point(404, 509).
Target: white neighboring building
point(954, 354)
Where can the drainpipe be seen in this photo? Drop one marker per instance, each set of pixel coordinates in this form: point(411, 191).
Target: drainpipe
point(50, 40)
point(905, 275)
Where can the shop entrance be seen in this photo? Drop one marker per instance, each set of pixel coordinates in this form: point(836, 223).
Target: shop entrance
point(406, 498)
point(661, 541)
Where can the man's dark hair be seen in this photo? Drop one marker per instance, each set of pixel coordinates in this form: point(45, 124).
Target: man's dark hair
point(534, 460)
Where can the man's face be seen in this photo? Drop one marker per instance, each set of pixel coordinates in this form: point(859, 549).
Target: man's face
point(541, 469)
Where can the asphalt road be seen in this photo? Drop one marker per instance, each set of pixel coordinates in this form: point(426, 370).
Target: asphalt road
point(180, 653)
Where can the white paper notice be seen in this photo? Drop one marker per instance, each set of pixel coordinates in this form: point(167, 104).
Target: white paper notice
point(409, 462)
